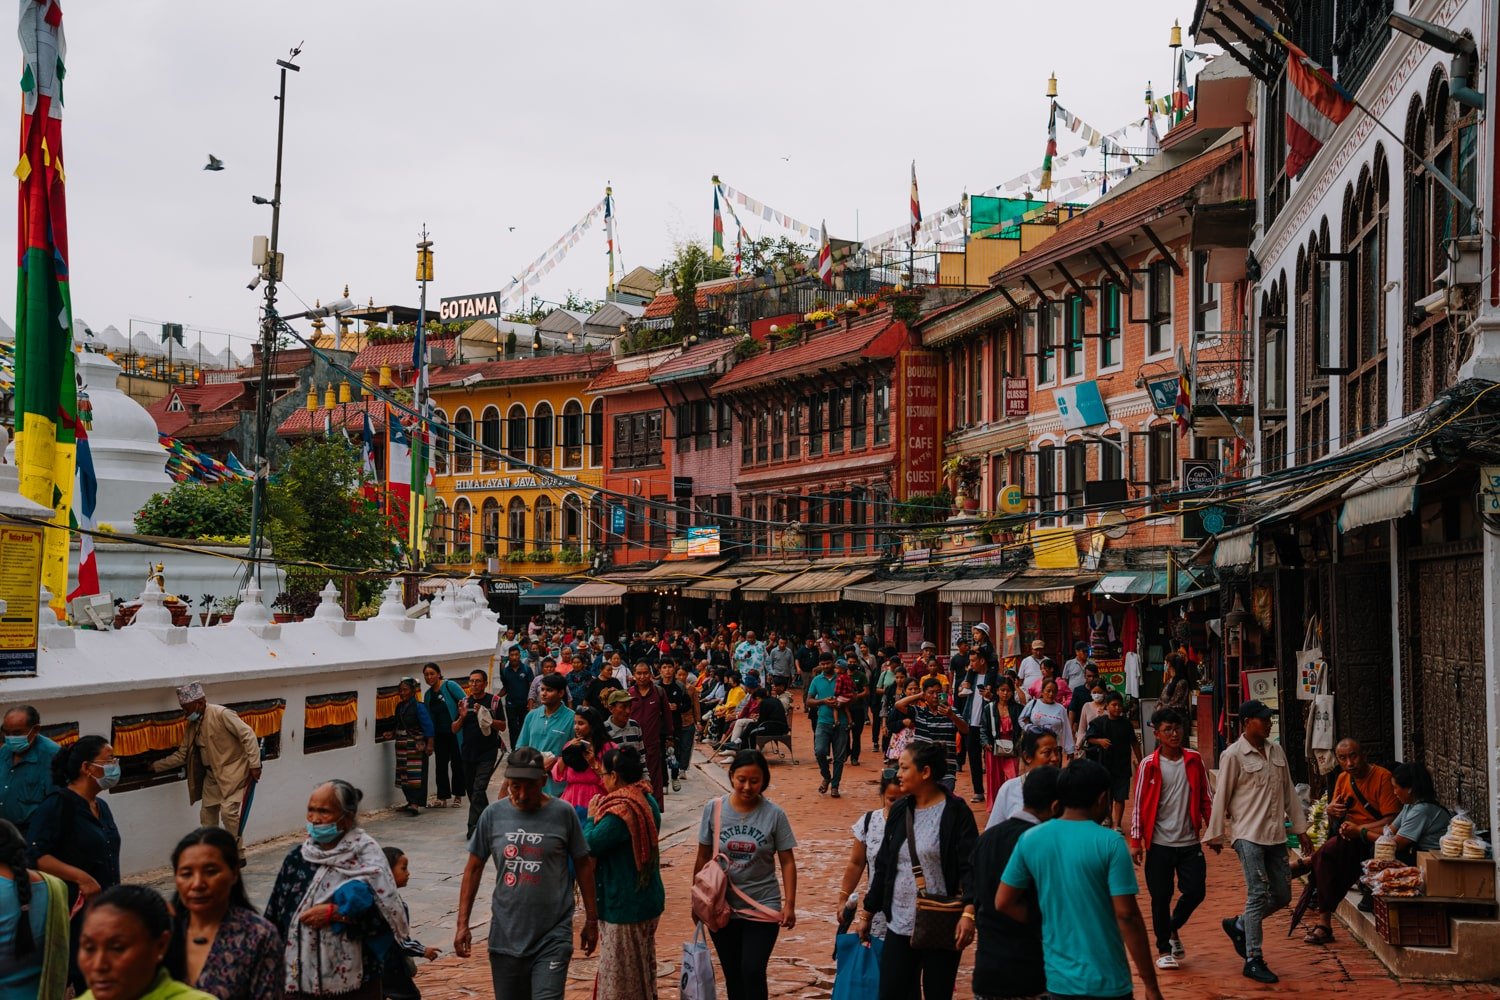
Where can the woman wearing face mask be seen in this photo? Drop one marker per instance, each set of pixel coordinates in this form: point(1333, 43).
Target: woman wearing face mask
point(1092, 709)
point(73, 833)
point(219, 943)
point(333, 895)
point(126, 932)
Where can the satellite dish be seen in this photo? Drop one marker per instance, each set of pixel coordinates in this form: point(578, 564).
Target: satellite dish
point(1114, 524)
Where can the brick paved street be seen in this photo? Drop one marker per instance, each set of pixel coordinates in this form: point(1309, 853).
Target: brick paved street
point(803, 965)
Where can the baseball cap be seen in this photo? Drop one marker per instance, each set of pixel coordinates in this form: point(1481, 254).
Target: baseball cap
point(1254, 709)
point(929, 645)
point(614, 696)
point(1038, 644)
point(524, 764)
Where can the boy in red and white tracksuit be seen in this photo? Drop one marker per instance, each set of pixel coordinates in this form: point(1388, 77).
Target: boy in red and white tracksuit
point(1170, 808)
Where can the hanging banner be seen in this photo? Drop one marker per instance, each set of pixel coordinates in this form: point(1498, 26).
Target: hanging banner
point(917, 389)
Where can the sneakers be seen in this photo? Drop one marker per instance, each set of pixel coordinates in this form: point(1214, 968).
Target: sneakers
point(1178, 951)
point(1236, 934)
point(1167, 961)
point(1255, 969)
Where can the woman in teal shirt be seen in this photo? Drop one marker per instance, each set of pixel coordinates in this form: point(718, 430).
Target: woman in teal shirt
point(33, 925)
point(621, 831)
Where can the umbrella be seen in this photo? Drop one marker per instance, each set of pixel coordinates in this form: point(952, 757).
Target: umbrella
point(250, 784)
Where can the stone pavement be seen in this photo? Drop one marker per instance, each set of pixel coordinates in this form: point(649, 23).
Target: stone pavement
point(803, 965)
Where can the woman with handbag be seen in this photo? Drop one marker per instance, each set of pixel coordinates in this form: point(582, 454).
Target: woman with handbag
point(1000, 731)
point(752, 836)
point(920, 875)
point(869, 833)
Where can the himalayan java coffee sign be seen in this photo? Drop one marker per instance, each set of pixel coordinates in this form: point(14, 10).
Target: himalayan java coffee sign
point(917, 391)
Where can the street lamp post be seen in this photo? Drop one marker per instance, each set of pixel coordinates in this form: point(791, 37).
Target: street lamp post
point(262, 464)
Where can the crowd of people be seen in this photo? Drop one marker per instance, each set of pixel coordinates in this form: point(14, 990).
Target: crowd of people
point(593, 738)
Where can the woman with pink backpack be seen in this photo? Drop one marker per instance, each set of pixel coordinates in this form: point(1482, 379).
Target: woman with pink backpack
point(748, 837)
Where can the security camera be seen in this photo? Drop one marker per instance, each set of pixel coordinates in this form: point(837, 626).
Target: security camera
point(471, 380)
point(1435, 303)
point(254, 283)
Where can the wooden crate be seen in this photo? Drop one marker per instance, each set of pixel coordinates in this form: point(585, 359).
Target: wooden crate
point(1412, 922)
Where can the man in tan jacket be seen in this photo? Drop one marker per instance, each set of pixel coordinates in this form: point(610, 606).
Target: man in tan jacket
point(222, 754)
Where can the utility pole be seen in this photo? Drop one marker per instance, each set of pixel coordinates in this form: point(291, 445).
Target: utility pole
point(268, 324)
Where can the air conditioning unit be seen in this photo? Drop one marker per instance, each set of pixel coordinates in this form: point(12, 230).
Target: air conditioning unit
point(1465, 261)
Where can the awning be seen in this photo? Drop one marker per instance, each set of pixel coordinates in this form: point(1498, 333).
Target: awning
point(891, 593)
point(1034, 588)
point(1384, 492)
point(982, 590)
point(680, 572)
point(759, 588)
point(714, 588)
point(1192, 594)
point(546, 593)
point(1235, 548)
point(437, 584)
point(597, 594)
point(818, 586)
point(1144, 583)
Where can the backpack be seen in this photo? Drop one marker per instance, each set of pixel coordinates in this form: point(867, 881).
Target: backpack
point(712, 885)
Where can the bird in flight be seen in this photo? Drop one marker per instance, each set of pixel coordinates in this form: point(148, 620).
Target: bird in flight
point(787, 159)
point(214, 163)
point(512, 228)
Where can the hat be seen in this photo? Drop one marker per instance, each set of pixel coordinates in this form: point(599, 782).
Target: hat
point(929, 645)
point(982, 627)
point(557, 682)
point(731, 625)
point(1254, 709)
point(189, 693)
point(1038, 644)
point(525, 764)
point(608, 648)
point(615, 696)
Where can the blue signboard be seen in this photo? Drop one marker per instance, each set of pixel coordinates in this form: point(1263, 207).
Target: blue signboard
point(617, 519)
point(1080, 405)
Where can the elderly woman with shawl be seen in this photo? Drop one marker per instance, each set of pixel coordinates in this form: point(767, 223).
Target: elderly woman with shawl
point(333, 896)
point(621, 831)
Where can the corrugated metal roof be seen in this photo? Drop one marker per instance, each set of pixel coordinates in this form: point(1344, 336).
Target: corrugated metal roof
point(826, 348)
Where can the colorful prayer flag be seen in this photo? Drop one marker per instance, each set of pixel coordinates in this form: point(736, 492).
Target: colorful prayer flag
point(1315, 106)
point(1046, 183)
point(1182, 408)
point(718, 228)
point(86, 493)
point(609, 232)
point(46, 396)
point(1153, 138)
point(825, 258)
point(398, 465)
point(916, 205)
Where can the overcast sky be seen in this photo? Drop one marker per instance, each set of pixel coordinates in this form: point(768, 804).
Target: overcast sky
point(476, 117)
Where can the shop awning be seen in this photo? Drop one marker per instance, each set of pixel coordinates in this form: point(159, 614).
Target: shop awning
point(891, 593)
point(1143, 583)
point(1384, 492)
point(1236, 547)
point(981, 590)
point(1028, 588)
point(682, 572)
point(597, 594)
point(546, 593)
point(437, 584)
point(713, 588)
point(820, 585)
point(759, 588)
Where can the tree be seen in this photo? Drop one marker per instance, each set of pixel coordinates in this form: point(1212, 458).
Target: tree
point(317, 513)
point(198, 510)
point(767, 254)
point(536, 310)
point(691, 264)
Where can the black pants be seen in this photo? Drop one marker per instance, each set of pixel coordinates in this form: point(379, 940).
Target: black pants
point(450, 767)
point(1188, 867)
point(856, 732)
point(478, 768)
point(974, 747)
point(875, 741)
point(744, 948)
point(395, 981)
point(515, 717)
point(907, 973)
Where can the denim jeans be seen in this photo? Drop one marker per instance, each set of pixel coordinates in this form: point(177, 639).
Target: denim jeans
point(834, 737)
point(1268, 887)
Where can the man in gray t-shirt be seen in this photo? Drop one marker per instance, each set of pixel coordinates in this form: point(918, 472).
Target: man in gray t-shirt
point(532, 838)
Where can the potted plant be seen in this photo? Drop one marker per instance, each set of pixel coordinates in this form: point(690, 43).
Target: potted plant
point(963, 473)
point(570, 557)
point(541, 556)
point(517, 556)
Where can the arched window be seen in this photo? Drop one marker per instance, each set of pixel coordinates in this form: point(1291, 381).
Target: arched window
point(437, 534)
point(1364, 407)
point(1314, 324)
point(596, 434)
point(489, 521)
point(1274, 375)
point(441, 442)
point(572, 435)
point(463, 538)
point(515, 433)
point(489, 439)
point(541, 435)
point(463, 443)
point(572, 519)
point(545, 528)
point(515, 528)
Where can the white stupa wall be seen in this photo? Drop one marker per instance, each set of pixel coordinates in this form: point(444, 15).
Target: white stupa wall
point(91, 678)
point(129, 461)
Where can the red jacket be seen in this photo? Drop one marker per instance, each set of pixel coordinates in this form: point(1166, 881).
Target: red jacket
point(1148, 796)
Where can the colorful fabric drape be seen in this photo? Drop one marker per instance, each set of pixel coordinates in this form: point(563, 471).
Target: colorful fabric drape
point(331, 710)
point(718, 227)
point(187, 465)
point(1153, 138)
point(825, 257)
point(86, 492)
point(1182, 409)
point(1047, 157)
point(386, 700)
point(46, 402)
point(1180, 96)
point(263, 718)
point(146, 734)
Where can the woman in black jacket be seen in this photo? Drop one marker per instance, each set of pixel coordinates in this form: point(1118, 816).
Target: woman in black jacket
point(944, 832)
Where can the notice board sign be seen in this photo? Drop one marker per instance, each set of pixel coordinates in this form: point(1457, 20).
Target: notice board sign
point(20, 584)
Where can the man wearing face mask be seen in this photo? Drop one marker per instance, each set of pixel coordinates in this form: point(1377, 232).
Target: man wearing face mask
point(25, 765)
point(222, 755)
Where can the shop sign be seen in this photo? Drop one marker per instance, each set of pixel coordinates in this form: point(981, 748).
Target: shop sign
point(513, 483)
point(20, 583)
point(702, 542)
point(1080, 405)
point(1164, 394)
point(917, 389)
point(1017, 395)
point(617, 519)
point(477, 306)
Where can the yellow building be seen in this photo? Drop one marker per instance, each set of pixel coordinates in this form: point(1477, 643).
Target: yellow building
point(507, 420)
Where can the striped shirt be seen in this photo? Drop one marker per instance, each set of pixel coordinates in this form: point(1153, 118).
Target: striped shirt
point(937, 728)
point(628, 735)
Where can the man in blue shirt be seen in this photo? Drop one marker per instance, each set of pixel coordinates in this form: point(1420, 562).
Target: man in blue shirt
point(515, 679)
point(1085, 887)
point(548, 726)
point(25, 765)
point(832, 732)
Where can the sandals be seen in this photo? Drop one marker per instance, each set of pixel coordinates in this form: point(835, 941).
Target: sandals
point(1318, 935)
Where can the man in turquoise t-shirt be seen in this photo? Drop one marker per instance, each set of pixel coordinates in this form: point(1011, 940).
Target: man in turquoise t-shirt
point(1085, 888)
point(548, 727)
point(831, 737)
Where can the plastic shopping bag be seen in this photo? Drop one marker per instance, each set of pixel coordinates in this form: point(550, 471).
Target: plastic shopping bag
point(698, 967)
point(858, 976)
